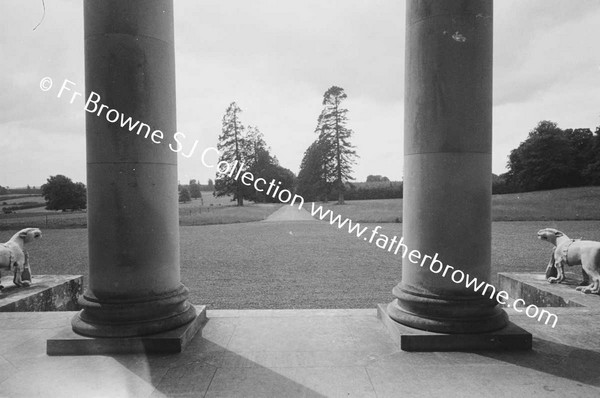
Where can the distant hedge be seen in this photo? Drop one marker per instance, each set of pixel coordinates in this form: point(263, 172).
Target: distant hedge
point(22, 206)
point(371, 190)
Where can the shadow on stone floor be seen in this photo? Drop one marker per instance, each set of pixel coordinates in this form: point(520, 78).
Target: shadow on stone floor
point(561, 360)
point(206, 369)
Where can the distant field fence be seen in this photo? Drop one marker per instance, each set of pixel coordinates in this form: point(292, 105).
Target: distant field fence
point(43, 220)
point(57, 220)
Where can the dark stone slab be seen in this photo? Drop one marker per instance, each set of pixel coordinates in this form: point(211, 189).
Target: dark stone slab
point(510, 338)
point(46, 293)
point(68, 342)
point(534, 289)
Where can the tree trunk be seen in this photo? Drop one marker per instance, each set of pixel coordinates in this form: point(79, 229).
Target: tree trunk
point(238, 190)
point(338, 155)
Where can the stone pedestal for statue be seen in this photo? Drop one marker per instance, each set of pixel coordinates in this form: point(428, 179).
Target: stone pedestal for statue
point(134, 280)
point(447, 167)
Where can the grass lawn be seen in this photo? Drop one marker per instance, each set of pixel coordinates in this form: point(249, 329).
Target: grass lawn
point(560, 204)
point(298, 265)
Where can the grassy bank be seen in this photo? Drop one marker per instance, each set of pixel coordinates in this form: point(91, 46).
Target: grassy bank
point(556, 205)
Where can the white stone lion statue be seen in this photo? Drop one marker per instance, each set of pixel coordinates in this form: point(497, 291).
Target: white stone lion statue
point(15, 258)
point(573, 252)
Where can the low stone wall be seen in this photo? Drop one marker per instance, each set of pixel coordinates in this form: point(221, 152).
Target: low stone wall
point(46, 293)
point(534, 289)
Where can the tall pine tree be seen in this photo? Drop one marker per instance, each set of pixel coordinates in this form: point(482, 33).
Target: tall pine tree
point(231, 146)
point(338, 155)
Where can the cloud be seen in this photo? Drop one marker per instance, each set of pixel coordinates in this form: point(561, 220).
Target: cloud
point(540, 45)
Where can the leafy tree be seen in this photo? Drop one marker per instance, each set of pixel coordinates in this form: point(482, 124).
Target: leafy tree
point(545, 160)
point(553, 158)
point(312, 182)
point(500, 184)
point(339, 155)
point(591, 172)
point(194, 189)
point(211, 185)
point(581, 143)
point(231, 146)
point(184, 195)
point(254, 145)
point(63, 194)
point(3, 190)
point(266, 166)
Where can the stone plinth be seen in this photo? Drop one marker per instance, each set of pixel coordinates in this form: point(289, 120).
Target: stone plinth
point(170, 342)
point(509, 338)
point(47, 293)
point(534, 289)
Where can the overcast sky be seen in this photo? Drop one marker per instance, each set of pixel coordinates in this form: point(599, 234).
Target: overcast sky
point(276, 58)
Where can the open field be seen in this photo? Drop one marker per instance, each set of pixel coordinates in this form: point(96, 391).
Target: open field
point(581, 203)
point(11, 199)
point(207, 200)
point(214, 211)
point(560, 204)
point(298, 265)
point(225, 214)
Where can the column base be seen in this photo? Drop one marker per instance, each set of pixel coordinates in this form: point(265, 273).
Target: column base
point(134, 317)
point(509, 338)
point(445, 314)
point(173, 341)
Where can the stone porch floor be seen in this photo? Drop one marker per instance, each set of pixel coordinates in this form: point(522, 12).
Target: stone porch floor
point(303, 353)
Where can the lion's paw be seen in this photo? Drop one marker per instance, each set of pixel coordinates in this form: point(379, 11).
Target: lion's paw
point(586, 290)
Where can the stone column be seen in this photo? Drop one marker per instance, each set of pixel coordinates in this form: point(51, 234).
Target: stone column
point(447, 166)
point(134, 283)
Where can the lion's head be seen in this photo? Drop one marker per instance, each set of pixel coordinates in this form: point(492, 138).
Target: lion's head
point(29, 234)
point(549, 235)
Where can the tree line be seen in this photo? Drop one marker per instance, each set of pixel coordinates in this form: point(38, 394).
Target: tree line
point(549, 158)
point(552, 158)
point(325, 169)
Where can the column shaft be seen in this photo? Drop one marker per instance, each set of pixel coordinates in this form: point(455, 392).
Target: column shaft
point(134, 283)
point(447, 166)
